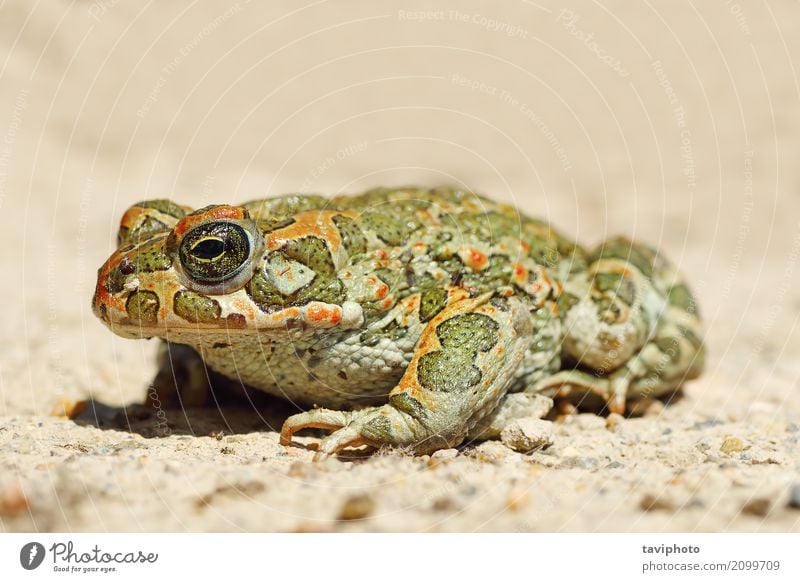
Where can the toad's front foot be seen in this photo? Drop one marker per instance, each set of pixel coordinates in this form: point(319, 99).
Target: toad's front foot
point(376, 427)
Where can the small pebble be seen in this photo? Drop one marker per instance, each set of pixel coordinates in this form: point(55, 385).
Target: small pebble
point(298, 470)
point(573, 462)
point(356, 507)
point(794, 496)
point(468, 490)
point(758, 507)
point(588, 421)
point(613, 420)
point(650, 502)
point(527, 434)
point(24, 445)
point(13, 502)
point(707, 424)
point(645, 407)
point(518, 498)
point(490, 452)
point(444, 454)
point(441, 457)
point(444, 504)
point(656, 408)
point(733, 445)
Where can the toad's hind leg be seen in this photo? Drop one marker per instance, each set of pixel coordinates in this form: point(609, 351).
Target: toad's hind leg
point(631, 329)
point(465, 361)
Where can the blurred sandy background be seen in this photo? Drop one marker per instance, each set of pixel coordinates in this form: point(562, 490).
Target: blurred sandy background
point(674, 122)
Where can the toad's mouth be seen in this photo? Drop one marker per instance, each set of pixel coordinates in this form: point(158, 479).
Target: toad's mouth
point(144, 313)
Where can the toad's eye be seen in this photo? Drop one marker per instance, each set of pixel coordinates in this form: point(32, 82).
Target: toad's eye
point(213, 254)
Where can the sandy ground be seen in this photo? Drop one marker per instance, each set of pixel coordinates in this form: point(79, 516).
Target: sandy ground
point(671, 122)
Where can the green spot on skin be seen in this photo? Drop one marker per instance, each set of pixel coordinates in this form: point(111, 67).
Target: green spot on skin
point(403, 402)
point(489, 226)
point(264, 293)
point(638, 255)
point(353, 239)
point(690, 336)
point(615, 283)
point(452, 369)
point(270, 223)
point(680, 296)
point(431, 303)
point(142, 307)
point(565, 302)
point(147, 260)
point(196, 308)
point(670, 347)
point(377, 429)
point(311, 251)
point(152, 259)
point(146, 229)
point(544, 251)
point(325, 286)
point(497, 273)
point(285, 206)
point(392, 228)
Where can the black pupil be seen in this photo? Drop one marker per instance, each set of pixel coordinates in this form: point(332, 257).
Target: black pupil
point(208, 249)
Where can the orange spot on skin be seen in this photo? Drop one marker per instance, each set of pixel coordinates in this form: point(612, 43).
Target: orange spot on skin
point(281, 316)
point(130, 217)
point(478, 259)
point(218, 213)
point(241, 306)
point(317, 312)
point(320, 313)
point(473, 258)
point(408, 383)
point(387, 303)
point(101, 294)
point(412, 305)
point(381, 291)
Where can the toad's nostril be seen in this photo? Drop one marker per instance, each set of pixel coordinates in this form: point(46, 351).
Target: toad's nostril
point(126, 266)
